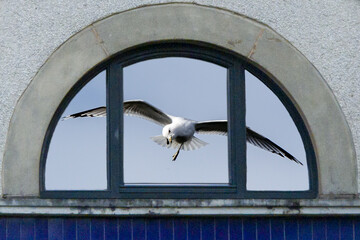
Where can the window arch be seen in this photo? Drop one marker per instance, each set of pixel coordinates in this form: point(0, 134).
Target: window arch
point(294, 75)
point(238, 173)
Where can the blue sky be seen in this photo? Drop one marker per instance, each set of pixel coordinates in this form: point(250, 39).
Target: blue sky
point(180, 87)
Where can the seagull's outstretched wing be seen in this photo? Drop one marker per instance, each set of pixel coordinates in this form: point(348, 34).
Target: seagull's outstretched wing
point(137, 108)
point(142, 109)
point(220, 127)
point(95, 112)
point(212, 127)
point(265, 143)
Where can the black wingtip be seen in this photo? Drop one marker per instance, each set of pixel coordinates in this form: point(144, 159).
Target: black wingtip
point(297, 161)
point(292, 158)
point(288, 156)
point(76, 115)
point(266, 144)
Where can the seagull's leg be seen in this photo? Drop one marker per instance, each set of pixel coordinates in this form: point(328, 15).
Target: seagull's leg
point(177, 152)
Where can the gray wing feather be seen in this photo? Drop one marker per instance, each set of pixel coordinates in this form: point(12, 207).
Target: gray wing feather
point(220, 127)
point(137, 108)
point(142, 109)
point(212, 127)
point(266, 144)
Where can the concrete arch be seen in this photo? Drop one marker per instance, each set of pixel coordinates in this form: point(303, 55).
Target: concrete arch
point(268, 50)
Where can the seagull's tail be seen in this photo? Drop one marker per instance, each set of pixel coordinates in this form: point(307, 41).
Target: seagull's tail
point(193, 144)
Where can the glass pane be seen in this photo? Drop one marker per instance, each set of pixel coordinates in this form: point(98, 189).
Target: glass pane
point(180, 87)
point(266, 115)
point(77, 154)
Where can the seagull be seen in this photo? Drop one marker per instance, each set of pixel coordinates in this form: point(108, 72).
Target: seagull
point(178, 132)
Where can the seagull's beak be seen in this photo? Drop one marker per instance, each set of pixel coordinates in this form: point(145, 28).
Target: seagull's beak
point(170, 139)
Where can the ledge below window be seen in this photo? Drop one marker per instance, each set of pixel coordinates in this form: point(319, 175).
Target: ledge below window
point(183, 207)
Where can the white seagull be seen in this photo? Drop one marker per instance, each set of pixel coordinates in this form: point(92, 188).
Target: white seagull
point(179, 132)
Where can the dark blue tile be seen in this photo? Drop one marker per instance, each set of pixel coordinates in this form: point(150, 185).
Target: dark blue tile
point(357, 228)
point(180, 228)
point(305, 229)
point(13, 228)
point(111, 229)
point(166, 228)
point(139, 226)
point(221, 228)
point(153, 229)
point(235, 228)
point(263, 228)
point(55, 228)
point(319, 228)
point(332, 229)
point(207, 228)
point(27, 229)
point(125, 228)
point(69, 228)
point(291, 229)
point(2, 228)
point(277, 228)
point(83, 228)
point(194, 228)
point(41, 228)
point(249, 228)
point(97, 229)
point(346, 228)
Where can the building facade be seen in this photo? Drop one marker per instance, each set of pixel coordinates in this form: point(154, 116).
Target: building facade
point(308, 51)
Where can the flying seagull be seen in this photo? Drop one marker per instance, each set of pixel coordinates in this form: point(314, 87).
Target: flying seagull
point(179, 132)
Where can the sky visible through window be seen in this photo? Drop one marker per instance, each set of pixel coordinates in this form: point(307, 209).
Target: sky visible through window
point(182, 87)
point(77, 153)
point(266, 115)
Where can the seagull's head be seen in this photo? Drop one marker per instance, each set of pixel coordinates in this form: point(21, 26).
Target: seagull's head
point(168, 134)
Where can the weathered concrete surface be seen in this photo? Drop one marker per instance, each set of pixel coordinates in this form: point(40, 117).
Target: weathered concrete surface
point(55, 78)
point(184, 22)
point(293, 71)
point(152, 207)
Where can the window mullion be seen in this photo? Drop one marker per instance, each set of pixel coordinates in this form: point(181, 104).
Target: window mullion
point(115, 126)
point(237, 127)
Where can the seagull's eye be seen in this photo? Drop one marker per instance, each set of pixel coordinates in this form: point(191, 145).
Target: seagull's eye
point(169, 131)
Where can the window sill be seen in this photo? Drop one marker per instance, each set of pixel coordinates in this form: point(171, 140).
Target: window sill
point(180, 207)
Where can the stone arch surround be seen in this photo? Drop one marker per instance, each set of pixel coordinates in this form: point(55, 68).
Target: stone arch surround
point(261, 45)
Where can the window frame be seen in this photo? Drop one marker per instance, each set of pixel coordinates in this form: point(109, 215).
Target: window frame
point(236, 66)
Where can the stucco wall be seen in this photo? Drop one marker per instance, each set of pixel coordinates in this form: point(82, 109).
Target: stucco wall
point(326, 32)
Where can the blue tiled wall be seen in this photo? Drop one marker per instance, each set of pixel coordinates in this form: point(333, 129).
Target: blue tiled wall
point(228, 228)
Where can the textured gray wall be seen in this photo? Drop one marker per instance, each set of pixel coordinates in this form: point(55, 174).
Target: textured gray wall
point(326, 32)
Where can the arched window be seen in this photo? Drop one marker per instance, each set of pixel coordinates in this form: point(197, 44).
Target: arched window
point(115, 157)
point(265, 59)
